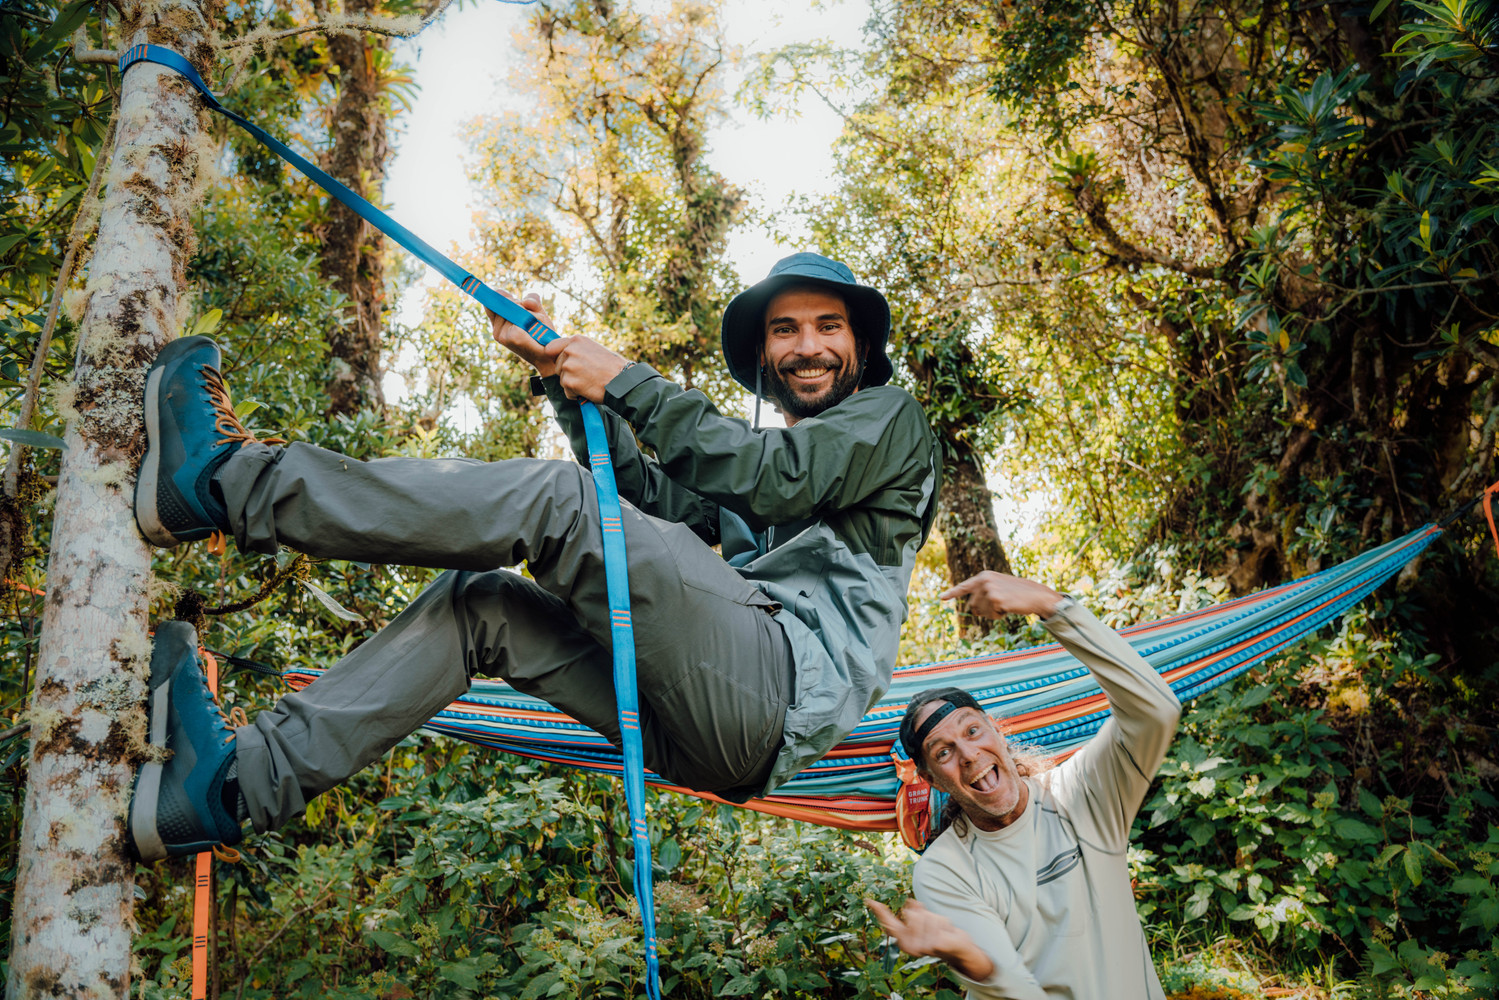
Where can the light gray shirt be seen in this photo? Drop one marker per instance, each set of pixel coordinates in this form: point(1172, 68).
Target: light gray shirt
point(1048, 898)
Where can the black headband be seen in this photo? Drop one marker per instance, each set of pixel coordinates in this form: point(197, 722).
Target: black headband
point(926, 727)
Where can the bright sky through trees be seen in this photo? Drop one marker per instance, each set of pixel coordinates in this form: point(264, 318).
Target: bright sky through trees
point(461, 63)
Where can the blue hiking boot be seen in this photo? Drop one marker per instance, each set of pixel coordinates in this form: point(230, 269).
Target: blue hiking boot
point(191, 431)
point(187, 804)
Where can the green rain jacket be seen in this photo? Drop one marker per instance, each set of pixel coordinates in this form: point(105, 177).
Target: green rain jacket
point(824, 518)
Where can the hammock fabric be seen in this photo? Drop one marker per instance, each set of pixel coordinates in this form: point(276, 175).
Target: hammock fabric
point(1046, 698)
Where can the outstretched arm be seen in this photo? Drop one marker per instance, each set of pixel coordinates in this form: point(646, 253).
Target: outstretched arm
point(952, 920)
point(1111, 774)
point(519, 342)
point(583, 364)
point(992, 594)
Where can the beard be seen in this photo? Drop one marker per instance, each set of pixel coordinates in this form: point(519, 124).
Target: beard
point(845, 381)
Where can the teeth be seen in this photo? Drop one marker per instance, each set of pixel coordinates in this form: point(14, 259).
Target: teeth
point(981, 778)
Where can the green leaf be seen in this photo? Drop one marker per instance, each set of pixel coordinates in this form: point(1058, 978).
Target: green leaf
point(1413, 867)
point(737, 987)
point(33, 439)
point(245, 407)
point(461, 972)
point(1384, 960)
point(1439, 857)
point(1353, 829)
point(6, 242)
point(393, 943)
point(1484, 912)
point(336, 609)
point(208, 322)
point(1249, 699)
point(41, 173)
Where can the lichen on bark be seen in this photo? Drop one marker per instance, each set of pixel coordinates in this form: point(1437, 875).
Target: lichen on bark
point(72, 915)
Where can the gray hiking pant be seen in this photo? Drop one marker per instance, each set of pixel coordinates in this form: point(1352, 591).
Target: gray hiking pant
point(714, 666)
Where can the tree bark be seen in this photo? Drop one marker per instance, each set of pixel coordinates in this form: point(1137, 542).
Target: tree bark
point(965, 516)
point(943, 368)
point(352, 258)
point(75, 880)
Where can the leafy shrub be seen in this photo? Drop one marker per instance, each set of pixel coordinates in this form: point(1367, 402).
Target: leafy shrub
point(1263, 819)
point(1201, 978)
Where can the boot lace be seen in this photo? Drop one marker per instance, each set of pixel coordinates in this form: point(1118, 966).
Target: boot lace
point(225, 421)
point(234, 719)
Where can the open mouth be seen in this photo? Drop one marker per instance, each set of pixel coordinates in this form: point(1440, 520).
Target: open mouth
point(988, 781)
point(808, 374)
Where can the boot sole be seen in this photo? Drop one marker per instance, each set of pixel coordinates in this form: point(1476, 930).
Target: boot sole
point(147, 795)
point(148, 480)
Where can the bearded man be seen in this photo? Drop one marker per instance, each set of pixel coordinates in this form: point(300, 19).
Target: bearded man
point(1026, 895)
point(750, 666)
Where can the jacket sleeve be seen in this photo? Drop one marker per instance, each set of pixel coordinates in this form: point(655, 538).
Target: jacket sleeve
point(639, 477)
point(826, 463)
point(1106, 781)
point(944, 891)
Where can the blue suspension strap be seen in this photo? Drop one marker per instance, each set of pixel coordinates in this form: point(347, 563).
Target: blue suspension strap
point(615, 572)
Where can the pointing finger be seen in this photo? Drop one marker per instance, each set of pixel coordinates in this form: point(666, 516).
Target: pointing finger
point(968, 586)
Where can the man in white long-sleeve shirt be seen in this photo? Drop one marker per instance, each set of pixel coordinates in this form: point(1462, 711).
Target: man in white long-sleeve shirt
point(1027, 894)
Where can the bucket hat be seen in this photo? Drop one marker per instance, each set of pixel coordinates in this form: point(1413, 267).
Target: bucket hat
point(744, 319)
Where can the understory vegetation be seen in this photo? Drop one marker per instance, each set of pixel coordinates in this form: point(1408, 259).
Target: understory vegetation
point(1205, 290)
point(1324, 827)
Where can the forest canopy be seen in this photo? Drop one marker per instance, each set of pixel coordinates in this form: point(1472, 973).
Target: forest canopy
point(1208, 287)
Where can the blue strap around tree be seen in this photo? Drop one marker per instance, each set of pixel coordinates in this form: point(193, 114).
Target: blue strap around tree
point(615, 573)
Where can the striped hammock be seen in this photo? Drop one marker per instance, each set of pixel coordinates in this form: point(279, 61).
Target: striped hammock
point(1046, 698)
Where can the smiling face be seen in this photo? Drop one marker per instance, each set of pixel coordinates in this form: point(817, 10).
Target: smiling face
point(811, 356)
point(967, 757)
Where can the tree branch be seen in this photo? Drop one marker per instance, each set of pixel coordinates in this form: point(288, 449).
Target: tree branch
point(83, 54)
point(1197, 155)
point(1095, 210)
point(390, 27)
point(1484, 352)
point(1043, 281)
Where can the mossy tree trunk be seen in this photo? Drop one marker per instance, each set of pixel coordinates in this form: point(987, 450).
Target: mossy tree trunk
point(352, 257)
point(75, 881)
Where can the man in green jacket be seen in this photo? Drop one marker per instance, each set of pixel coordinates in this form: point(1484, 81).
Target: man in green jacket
point(751, 665)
